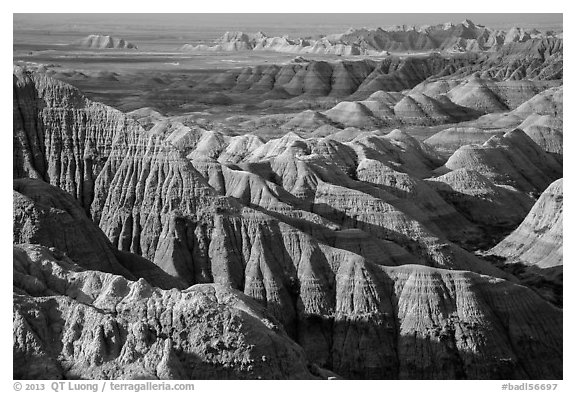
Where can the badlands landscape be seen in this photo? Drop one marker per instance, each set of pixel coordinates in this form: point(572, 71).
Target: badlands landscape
point(366, 203)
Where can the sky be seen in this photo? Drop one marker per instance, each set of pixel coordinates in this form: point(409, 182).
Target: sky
point(305, 23)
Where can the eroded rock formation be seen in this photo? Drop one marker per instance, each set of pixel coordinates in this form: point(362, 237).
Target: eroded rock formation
point(71, 323)
point(464, 36)
point(538, 239)
point(340, 240)
point(97, 41)
point(60, 136)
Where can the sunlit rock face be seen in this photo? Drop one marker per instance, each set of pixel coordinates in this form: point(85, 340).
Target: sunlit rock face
point(513, 159)
point(75, 323)
point(482, 201)
point(538, 239)
point(337, 247)
point(46, 215)
point(60, 136)
point(97, 41)
point(464, 36)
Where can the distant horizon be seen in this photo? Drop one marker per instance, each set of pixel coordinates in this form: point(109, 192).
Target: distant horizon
point(313, 23)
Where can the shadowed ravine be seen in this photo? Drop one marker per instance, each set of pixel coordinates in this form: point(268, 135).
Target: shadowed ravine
point(181, 252)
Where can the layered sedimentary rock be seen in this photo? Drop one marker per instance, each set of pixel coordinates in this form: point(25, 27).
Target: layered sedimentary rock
point(461, 333)
point(546, 131)
point(545, 60)
point(60, 136)
point(538, 239)
point(338, 79)
point(399, 150)
point(96, 41)
point(313, 229)
point(548, 102)
point(238, 41)
point(371, 91)
point(375, 111)
point(137, 217)
point(74, 323)
point(323, 175)
point(46, 215)
point(239, 147)
point(535, 59)
point(540, 117)
point(533, 252)
point(449, 140)
point(538, 59)
point(130, 206)
point(420, 201)
point(513, 159)
point(481, 201)
point(464, 36)
point(108, 327)
point(516, 34)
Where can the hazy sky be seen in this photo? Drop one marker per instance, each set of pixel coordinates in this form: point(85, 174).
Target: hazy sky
point(302, 20)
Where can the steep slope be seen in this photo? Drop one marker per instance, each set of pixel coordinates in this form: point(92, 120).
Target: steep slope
point(540, 117)
point(201, 237)
point(322, 176)
point(497, 208)
point(513, 159)
point(229, 336)
point(418, 322)
point(307, 120)
point(96, 41)
point(237, 41)
point(60, 136)
point(548, 102)
point(355, 79)
point(538, 239)
point(133, 205)
point(535, 59)
point(398, 150)
point(296, 226)
point(239, 147)
point(433, 101)
point(533, 252)
point(353, 114)
point(73, 323)
point(464, 36)
point(462, 325)
point(420, 201)
point(421, 109)
point(546, 131)
point(46, 215)
point(449, 140)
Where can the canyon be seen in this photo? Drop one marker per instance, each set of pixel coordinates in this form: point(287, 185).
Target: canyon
point(355, 218)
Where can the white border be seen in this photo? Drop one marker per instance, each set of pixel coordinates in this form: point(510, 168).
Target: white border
point(308, 6)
